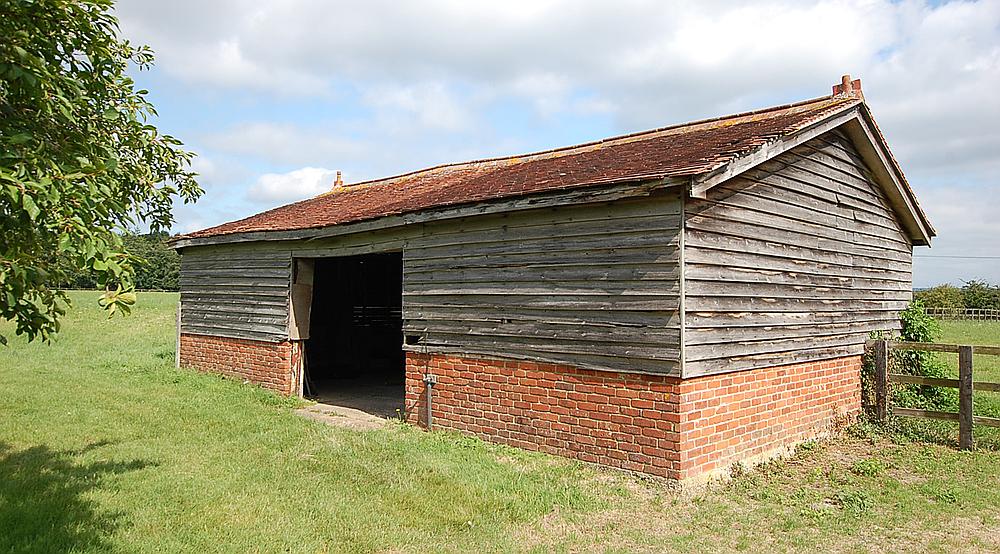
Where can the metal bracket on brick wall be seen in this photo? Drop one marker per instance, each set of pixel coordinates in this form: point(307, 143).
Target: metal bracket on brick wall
point(429, 381)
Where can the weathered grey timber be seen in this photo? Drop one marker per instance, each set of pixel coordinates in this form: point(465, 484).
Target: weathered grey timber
point(797, 259)
point(591, 286)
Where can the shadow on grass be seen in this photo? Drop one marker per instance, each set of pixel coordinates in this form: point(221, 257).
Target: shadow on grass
point(43, 500)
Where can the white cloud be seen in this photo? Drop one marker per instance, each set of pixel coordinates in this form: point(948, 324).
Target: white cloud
point(280, 188)
point(421, 106)
point(287, 144)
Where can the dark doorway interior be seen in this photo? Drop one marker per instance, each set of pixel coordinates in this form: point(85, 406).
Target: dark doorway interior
point(354, 351)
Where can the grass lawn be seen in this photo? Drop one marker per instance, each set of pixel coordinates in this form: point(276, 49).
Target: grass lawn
point(105, 447)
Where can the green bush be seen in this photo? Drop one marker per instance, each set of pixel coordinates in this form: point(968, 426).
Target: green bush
point(917, 326)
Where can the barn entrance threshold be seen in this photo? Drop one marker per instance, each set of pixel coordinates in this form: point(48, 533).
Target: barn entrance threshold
point(342, 416)
point(354, 361)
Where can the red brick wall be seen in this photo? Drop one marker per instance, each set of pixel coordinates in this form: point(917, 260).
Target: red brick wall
point(679, 429)
point(617, 419)
point(754, 415)
point(268, 364)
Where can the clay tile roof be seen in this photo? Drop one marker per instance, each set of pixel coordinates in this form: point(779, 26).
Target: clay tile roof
point(675, 151)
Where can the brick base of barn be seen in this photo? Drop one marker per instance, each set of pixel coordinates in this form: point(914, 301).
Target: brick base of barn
point(686, 430)
point(274, 366)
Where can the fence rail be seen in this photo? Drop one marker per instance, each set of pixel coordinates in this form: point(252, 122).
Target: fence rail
point(979, 314)
point(965, 385)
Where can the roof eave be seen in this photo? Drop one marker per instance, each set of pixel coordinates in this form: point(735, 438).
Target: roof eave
point(595, 192)
point(857, 122)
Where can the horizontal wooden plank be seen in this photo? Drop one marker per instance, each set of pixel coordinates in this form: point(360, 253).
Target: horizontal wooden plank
point(624, 211)
point(697, 368)
point(239, 272)
point(599, 287)
point(644, 302)
point(232, 332)
point(926, 414)
point(735, 348)
point(695, 320)
point(250, 254)
point(986, 421)
point(538, 260)
point(804, 278)
point(228, 297)
point(778, 331)
point(666, 318)
point(926, 381)
point(513, 345)
point(985, 386)
point(519, 274)
point(234, 290)
point(764, 304)
point(706, 288)
point(646, 335)
point(236, 309)
point(594, 362)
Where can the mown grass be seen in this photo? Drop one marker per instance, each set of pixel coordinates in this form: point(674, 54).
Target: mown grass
point(104, 446)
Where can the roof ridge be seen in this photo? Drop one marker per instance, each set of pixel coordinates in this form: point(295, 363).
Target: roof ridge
point(598, 142)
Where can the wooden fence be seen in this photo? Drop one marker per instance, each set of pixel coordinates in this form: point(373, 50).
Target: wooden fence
point(965, 385)
point(984, 314)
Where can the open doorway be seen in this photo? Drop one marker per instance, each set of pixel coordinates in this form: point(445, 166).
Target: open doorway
point(354, 354)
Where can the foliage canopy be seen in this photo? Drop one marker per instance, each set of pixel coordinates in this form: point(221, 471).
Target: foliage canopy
point(80, 161)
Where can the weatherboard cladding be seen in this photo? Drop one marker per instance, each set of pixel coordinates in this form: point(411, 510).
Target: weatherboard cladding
point(798, 259)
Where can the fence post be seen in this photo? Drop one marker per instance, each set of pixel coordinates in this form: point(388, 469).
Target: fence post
point(881, 380)
point(965, 397)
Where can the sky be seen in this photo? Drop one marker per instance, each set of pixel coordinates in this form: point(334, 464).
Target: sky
point(277, 96)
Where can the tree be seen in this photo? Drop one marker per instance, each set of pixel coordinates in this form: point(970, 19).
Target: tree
point(947, 297)
point(80, 161)
point(157, 265)
point(981, 295)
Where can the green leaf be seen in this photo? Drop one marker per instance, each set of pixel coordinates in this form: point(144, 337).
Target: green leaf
point(111, 114)
point(30, 207)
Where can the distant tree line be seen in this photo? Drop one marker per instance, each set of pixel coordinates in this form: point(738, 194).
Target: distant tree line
point(972, 295)
point(157, 266)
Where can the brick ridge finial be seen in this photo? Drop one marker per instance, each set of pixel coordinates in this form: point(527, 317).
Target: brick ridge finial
point(848, 87)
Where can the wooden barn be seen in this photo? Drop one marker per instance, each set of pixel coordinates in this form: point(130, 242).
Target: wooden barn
point(671, 302)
